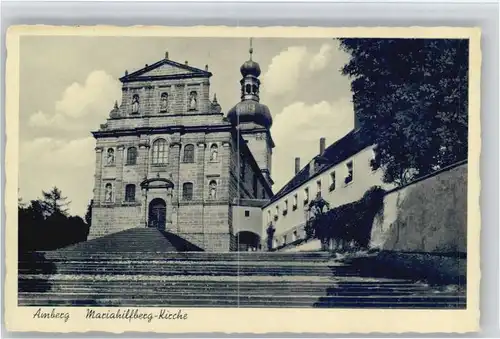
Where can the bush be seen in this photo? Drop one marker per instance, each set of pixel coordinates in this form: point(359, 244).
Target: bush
point(350, 222)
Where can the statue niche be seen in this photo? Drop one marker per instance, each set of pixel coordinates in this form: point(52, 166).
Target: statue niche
point(213, 190)
point(110, 159)
point(214, 152)
point(135, 104)
point(108, 193)
point(164, 102)
point(193, 101)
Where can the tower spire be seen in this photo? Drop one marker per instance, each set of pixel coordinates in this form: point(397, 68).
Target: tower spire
point(251, 49)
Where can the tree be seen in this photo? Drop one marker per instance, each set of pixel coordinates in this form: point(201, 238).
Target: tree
point(411, 96)
point(88, 214)
point(53, 202)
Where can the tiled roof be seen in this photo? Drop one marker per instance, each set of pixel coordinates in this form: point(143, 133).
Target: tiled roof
point(342, 149)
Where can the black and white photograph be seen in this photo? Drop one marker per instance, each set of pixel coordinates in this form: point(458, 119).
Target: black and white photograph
point(244, 172)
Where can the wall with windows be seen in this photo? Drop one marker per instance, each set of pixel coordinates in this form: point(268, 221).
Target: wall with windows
point(340, 184)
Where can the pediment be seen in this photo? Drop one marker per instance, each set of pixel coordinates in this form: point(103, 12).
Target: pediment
point(165, 69)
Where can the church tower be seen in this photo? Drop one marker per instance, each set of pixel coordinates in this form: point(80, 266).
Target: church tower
point(252, 118)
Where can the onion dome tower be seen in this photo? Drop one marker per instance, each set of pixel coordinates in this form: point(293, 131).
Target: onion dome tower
point(252, 118)
point(249, 109)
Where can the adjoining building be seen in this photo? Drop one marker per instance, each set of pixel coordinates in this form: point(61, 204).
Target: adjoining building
point(167, 158)
point(340, 174)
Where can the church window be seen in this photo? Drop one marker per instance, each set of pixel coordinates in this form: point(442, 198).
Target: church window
point(189, 153)
point(131, 156)
point(130, 193)
point(349, 176)
point(187, 191)
point(159, 152)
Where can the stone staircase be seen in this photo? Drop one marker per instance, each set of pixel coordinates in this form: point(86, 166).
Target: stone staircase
point(87, 275)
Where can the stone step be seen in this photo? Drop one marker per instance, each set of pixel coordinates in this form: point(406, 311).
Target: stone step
point(263, 296)
point(256, 290)
point(169, 271)
point(181, 256)
point(257, 301)
point(227, 283)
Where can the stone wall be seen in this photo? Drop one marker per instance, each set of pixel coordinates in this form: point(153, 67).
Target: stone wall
point(114, 219)
point(429, 215)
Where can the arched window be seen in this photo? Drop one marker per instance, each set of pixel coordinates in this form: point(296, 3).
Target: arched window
point(248, 88)
point(189, 153)
point(187, 191)
point(159, 152)
point(130, 193)
point(131, 156)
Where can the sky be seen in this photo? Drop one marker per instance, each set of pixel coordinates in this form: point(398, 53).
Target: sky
point(69, 84)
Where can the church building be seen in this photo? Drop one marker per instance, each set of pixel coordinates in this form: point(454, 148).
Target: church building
point(168, 158)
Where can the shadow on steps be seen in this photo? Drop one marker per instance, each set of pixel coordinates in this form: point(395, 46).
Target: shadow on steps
point(34, 263)
point(181, 244)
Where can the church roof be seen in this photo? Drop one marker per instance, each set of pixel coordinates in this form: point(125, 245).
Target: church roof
point(352, 143)
point(182, 71)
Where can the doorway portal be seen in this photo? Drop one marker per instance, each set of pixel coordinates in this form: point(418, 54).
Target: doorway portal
point(157, 213)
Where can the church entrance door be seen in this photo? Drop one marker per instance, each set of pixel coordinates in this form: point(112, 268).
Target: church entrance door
point(157, 213)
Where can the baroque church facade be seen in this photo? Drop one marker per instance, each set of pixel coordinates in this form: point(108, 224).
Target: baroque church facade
point(168, 158)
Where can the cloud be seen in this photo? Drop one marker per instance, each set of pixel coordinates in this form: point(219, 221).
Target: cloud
point(301, 125)
point(287, 68)
point(46, 162)
point(321, 59)
point(90, 101)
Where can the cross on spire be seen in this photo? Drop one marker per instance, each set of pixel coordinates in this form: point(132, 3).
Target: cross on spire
point(251, 49)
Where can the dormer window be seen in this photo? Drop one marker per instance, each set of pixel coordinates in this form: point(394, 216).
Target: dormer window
point(332, 181)
point(375, 160)
point(349, 176)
